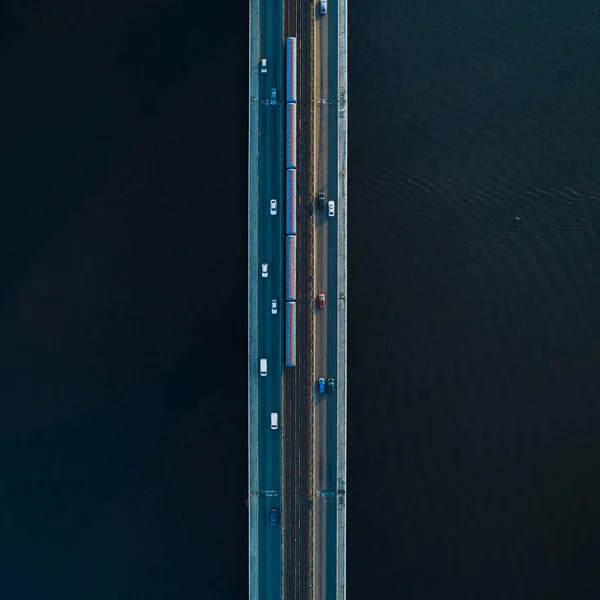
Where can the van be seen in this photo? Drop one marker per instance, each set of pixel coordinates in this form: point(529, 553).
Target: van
point(263, 366)
point(274, 421)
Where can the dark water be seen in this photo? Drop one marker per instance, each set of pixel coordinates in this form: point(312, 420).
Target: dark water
point(474, 338)
point(123, 301)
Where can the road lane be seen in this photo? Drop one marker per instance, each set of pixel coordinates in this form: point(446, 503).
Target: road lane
point(270, 329)
point(325, 408)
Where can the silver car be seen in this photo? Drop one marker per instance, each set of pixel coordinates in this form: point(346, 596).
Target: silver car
point(273, 206)
point(323, 7)
point(265, 270)
point(263, 65)
point(273, 306)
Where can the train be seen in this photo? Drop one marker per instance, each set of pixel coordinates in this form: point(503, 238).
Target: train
point(290, 136)
point(290, 267)
point(290, 78)
point(290, 333)
point(290, 201)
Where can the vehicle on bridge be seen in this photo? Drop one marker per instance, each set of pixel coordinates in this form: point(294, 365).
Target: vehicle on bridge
point(273, 206)
point(290, 334)
point(331, 208)
point(321, 385)
point(263, 65)
point(331, 386)
point(264, 270)
point(291, 125)
point(273, 96)
point(321, 300)
point(274, 420)
point(290, 82)
point(274, 306)
point(290, 267)
point(263, 367)
point(274, 517)
point(291, 201)
point(323, 7)
point(321, 200)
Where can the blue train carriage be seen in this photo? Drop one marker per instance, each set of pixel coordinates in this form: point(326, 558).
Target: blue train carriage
point(290, 202)
point(290, 132)
point(290, 334)
point(290, 268)
point(291, 62)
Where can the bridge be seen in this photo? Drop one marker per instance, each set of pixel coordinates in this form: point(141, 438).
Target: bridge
point(297, 323)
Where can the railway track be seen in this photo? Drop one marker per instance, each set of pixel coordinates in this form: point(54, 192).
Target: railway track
point(296, 572)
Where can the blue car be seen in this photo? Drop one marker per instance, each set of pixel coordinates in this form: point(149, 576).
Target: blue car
point(274, 517)
point(322, 385)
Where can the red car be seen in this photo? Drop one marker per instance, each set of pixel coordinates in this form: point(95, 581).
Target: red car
point(321, 300)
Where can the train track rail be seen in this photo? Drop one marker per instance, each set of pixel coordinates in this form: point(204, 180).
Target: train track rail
point(296, 568)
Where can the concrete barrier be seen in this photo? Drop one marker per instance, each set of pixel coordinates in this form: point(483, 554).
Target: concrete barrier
point(342, 375)
point(253, 466)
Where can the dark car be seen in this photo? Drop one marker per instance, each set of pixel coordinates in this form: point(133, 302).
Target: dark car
point(321, 200)
point(274, 517)
point(330, 386)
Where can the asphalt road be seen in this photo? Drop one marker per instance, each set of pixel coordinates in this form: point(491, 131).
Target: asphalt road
point(270, 327)
point(271, 184)
point(325, 258)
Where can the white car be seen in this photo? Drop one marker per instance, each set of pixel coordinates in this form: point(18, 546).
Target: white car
point(273, 306)
point(331, 208)
point(323, 7)
point(273, 206)
point(263, 65)
point(265, 270)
